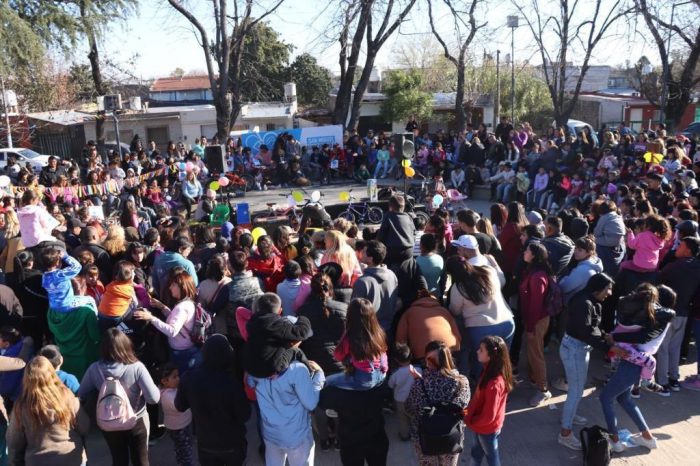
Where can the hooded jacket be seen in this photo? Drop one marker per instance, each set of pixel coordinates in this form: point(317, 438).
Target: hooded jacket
point(578, 278)
point(560, 249)
point(165, 262)
point(244, 289)
point(397, 231)
point(327, 332)
point(683, 275)
point(646, 247)
point(77, 335)
point(610, 230)
point(380, 286)
point(426, 321)
point(35, 225)
point(216, 398)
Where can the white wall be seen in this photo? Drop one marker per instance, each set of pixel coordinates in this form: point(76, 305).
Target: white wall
point(128, 128)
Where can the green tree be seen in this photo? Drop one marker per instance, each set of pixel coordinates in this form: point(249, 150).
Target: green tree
point(405, 97)
point(313, 81)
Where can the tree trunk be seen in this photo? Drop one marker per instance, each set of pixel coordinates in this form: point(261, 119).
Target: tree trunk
point(459, 97)
point(94, 57)
point(360, 89)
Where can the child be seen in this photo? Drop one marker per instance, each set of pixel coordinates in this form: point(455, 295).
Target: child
point(53, 354)
point(647, 244)
point(401, 382)
point(289, 288)
point(632, 317)
point(177, 423)
point(487, 409)
point(119, 298)
point(94, 286)
point(362, 350)
point(362, 174)
point(431, 264)
point(57, 281)
point(382, 161)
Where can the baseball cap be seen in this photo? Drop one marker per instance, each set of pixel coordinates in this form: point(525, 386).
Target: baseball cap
point(467, 242)
point(74, 223)
point(687, 228)
point(534, 217)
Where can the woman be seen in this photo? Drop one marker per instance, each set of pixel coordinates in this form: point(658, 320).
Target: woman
point(476, 297)
point(587, 265)
point(191, 191)
point(115, 243)
point(339, 252)
point(327, 318)
point(117, 359)
point(440, 383)
point(509, 237)
point(180, 294)
point(281, 239)
point(213, 290)
point(609, 235)
point(499, 216)
point(582, 335)
point(13, 244)
point(47, 426)
point(533, 292)
point(136, 254)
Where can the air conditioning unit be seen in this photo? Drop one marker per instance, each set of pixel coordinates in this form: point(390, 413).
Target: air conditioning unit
point(112, 102)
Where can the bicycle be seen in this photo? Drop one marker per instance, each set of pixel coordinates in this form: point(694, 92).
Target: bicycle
point(361, 213)
point(277, 214)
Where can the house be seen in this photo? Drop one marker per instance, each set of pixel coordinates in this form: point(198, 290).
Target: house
point(58, 132)
point(183, 90)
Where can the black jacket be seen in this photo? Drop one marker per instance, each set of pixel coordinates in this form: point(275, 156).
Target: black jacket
point(327, 332)
point(219, 406)
point(650, 330)
point(397, 231)
point(683, 275)
point(560, 249)
point(359, 414)
point(584, 319)
point(102, 259)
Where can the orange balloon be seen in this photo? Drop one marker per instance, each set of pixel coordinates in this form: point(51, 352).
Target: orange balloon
point(409, 171)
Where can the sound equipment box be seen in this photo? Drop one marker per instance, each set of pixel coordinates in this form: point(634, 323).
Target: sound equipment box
point(215, 159)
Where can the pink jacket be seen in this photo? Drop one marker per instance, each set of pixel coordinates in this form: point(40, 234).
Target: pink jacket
point(646, 247)
point(178, 325)
point(35, 225)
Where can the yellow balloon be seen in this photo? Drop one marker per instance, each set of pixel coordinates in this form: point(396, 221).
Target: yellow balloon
point(298, 196)
point(214, 185)
point(344, 196)
point(257, 233)
point(409, 171)
point(406, 163)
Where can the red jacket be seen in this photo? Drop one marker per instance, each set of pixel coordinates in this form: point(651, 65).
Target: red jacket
point(533, 291)
point(268, 270)
point(487, 409)
point(511, 245)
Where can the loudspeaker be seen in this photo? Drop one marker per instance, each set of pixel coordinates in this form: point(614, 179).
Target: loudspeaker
point(398, 140)
point(215, 159)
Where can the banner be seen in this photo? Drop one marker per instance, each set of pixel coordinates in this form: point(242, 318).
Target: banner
point(311, 136)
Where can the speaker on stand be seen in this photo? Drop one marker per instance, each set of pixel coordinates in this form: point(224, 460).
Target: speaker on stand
point(215, 159)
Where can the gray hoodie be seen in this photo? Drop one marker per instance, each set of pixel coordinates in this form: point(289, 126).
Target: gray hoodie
point(579, 276)
point(610, 230)
point(135, 379)
point(380, 286)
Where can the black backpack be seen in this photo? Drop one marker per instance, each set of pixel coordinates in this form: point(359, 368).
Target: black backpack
point(595, 446)
point(440, 427)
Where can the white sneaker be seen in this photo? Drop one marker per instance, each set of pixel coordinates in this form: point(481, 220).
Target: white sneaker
point(617, 447)
point(580, 421)
point(539, 398)
point(570, 441)
point(640, 441)
point(332, 413)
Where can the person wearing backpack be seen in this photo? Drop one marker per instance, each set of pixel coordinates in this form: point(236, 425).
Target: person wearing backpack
point(180, 293)
point(443, 388)
point(533, 290)
point(487, 409)
point(123, 386)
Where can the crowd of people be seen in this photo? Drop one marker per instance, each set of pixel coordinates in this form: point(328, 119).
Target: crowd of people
point(129, 312)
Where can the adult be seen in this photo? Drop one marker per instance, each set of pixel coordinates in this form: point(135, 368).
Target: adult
point(468, 248)
point(509, 237)
point(179, 309)
point(587, 265)
point(378, 284)
point(219, 407)
point(191, 191)
point(175, 255)
point(90, 241)
point(117, 360)
point(583, 333)
point(425, 321)
point(560, 248)
point(213, 291)
point(51, 173)
point(397, 231)
point(476, 297)
point(47, 426)
point(440, 383)
point(533, 290)
point(488, 244)
point(609, 235)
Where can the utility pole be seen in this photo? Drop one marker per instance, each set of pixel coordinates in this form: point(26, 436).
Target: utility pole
point(497, 100)
point(512, 24)
point(7, 114)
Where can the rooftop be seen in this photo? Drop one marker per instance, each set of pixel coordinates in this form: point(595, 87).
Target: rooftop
point(184, 83)
point(258, 110)
point(61, 117)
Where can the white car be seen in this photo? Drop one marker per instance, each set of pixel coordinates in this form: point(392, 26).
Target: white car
point(23, 156)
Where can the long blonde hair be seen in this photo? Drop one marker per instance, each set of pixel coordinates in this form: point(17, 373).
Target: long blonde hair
point(115, 242)
point(11, 224)
point(341, 253)
point(44, 399)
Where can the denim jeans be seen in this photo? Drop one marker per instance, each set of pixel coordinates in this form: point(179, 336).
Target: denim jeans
point(381, 165)
point(474, 335)
point(619, 388)
point(575, 355)
point(186, 359)
point(503, 192)
point(303, 455)
point(612, 257)
point(486, 446)
point(696, 333)
point(357, 380)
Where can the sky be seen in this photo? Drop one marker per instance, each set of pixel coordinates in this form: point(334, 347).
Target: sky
point(162, 40)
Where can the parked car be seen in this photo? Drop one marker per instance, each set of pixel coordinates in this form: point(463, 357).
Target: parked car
point(24, 156)
point(112, 146)
point(692, 129)
point(576, 126)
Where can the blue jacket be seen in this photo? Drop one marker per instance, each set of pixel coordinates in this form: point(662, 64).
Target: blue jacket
point(69, 380)
point(58, 286)
point(166, 261)
point(578, 277)
point(11, 382)
point(286, 402)
point(191, 190)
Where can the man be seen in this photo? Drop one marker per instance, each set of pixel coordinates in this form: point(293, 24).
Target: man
point(496, 152)
point(175, 254)
point(12, 168)
point(378, 284)
point(468, 247)
point(503, 129)
point(466, 220)
point(49, 174)
point(90, 241)
point(397, 231)
point(559, 246)
point(654, 191)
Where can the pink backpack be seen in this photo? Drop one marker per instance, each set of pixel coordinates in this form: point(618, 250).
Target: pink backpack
point(114, 411)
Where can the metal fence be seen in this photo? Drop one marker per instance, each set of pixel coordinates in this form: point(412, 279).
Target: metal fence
point(67, 145)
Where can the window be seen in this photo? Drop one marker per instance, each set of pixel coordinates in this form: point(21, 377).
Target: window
point(270, 127)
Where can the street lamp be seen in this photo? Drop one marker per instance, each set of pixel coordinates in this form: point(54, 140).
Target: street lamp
point(512, 22)
point(667, 68)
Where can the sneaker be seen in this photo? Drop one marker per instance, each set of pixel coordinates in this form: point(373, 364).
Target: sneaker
point(692, 384)
point(332, 413)
point(635, 393)
point(617, 447)
point(653, 387)
point(640, 441)
point(673, 385)
point(326, 444)
point(580, 421)
point(336, 444)
point(539, 398)
point(561, 385)
point(665, 391)
point(570, 441)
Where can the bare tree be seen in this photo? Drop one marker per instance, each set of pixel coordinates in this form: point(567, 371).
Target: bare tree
point(465, 28)
point(680, 85)
point(223, 54)
point(577, 24)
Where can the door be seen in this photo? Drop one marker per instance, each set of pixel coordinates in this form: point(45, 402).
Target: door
point(159, 134)
point(636, 118)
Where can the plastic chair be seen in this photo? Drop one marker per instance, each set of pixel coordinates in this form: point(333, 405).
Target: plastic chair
point(220, 215)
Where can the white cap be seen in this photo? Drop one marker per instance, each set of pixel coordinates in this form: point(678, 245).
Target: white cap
point(467, 242)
